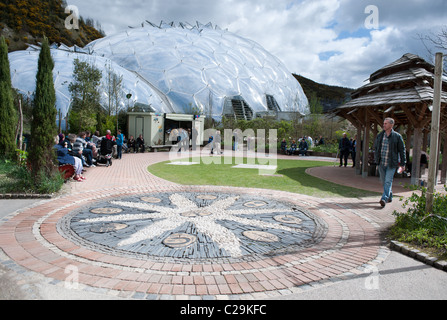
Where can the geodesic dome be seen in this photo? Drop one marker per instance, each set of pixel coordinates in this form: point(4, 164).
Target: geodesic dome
point(178, 69)
point(204, 68)
point(23, 65)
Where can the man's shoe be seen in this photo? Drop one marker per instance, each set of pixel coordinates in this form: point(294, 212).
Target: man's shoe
point(382, 203)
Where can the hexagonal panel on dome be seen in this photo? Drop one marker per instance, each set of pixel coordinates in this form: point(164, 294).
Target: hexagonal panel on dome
point(184, 78)
point(220, 82)
point(196, 57)
point(158, 59)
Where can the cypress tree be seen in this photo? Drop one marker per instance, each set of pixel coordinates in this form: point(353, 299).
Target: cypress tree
point(43, 125)
point(8, 114)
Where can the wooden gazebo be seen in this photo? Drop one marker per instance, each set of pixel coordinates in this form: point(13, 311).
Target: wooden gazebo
point(404, 91)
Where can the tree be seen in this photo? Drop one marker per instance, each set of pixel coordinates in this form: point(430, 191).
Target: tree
point(114, 88)
point(43, 126)
point(85, 95)
point(436, 42)
point(113, 85)
point(7, 112)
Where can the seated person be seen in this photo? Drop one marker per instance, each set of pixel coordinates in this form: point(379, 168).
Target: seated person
point(63, 157)
point(140, 143)
point(284, 146)
point(96, 138)
point(292, 149)
point(64, 141)
point(131, 144)
point(80, 145)
point(211, 144)
point(90, 144)
point(71, 139)
point(302, 148)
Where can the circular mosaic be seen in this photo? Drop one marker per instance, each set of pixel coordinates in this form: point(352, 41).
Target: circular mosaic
point(193, 226)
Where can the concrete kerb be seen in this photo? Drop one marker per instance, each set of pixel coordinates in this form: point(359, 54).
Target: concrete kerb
point(418, 255)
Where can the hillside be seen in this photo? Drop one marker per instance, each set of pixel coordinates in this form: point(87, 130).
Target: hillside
point(25, 22)
point(330, 96)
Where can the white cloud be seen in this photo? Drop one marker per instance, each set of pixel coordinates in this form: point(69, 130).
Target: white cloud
point(325, 40)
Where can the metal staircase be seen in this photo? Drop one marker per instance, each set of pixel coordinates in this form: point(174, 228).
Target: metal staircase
point(272, 105)
point(238, 108)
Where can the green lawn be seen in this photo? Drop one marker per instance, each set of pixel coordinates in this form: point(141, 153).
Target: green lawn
point(290, 176)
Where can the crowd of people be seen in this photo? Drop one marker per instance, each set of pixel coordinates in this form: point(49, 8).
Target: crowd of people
point(83, 150)
point(303, 146)
point(346, 147)
point(86, 150)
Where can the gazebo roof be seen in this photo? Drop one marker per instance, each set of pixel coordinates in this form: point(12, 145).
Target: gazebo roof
point(403, 63)
point(402, 89)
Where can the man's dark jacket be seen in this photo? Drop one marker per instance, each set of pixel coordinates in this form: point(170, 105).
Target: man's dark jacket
point(396, 149)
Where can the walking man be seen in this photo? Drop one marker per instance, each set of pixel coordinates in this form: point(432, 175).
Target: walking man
point(389, 155)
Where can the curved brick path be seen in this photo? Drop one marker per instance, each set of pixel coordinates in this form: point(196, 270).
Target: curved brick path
point(351, 243)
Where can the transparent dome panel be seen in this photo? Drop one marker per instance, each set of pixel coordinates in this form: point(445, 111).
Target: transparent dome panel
point(185, 79)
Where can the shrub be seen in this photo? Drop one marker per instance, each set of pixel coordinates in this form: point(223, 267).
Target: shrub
point(421, 228)
point(16, 178)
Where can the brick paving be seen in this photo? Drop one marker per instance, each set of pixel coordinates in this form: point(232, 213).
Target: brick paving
point(352, 242)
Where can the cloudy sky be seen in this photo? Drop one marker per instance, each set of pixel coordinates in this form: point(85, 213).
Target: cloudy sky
point(337, 42)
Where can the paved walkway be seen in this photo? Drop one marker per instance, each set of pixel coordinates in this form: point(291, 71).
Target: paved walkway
point(34, 245)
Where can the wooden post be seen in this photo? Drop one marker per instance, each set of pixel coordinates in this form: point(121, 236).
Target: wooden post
point(358, 151)
point(436, 114)
point(366, 145)
point(408, 141)
point(416, 164)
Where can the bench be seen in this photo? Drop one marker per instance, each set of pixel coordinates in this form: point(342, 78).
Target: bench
point(159, 148)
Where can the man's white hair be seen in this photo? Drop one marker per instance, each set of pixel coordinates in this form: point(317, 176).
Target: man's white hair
point(390, 120)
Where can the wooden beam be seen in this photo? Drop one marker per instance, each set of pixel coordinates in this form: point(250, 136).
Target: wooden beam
point(352, 111)
point(423, 111)
point(359, 118)
point(351, 118)
point(389, 109)
point(375, 116)
point(410, 116)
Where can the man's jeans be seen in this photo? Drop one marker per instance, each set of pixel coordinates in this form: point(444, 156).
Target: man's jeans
point(387, 177)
